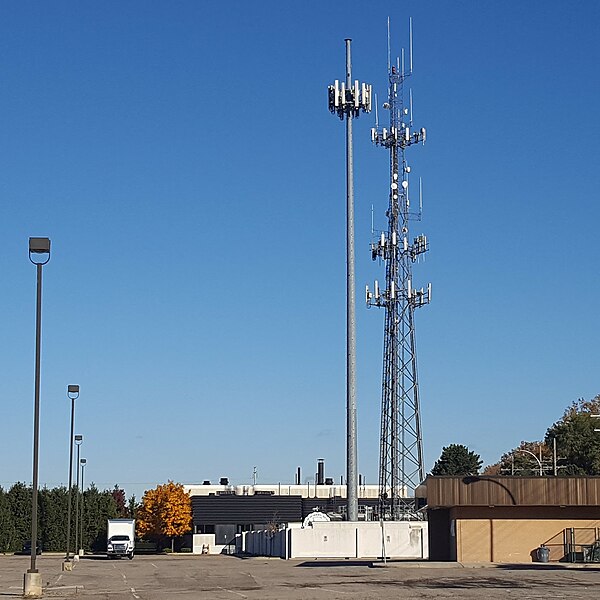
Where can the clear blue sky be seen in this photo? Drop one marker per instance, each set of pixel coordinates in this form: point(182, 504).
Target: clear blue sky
point(182, 159)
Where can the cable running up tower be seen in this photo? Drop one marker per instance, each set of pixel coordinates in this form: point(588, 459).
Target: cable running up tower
point(401, 444)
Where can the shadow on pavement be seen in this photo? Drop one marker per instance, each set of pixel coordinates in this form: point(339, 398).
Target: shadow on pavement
point(549, 566)
point(336, 563)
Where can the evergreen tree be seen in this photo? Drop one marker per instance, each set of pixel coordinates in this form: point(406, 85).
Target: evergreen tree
point(7, 528)
point(98, 507)
point(457, 459)
point(132, 507)
point(95, 509)
point(53, 518)
point(19, 503)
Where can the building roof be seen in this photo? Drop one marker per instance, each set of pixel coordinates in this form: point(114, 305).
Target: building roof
point(308, 490)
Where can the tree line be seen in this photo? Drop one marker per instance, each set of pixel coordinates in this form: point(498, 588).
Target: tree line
point(164, 514)
point(95, 507)
point(571, 446)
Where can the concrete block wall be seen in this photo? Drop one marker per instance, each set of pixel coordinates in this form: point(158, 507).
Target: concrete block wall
point(199, 540)
point(342, 540)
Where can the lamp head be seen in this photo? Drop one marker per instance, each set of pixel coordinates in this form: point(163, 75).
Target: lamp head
point(469, 479)
point(73, 392)
point(78, 439)
point(37, 246)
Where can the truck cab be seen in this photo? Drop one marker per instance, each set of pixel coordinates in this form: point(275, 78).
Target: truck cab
point(120, 545)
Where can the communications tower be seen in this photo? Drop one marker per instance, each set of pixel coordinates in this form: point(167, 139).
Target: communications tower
point(347, 100)
point(401, 445)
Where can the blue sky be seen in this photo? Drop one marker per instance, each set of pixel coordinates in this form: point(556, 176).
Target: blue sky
point(182, 159)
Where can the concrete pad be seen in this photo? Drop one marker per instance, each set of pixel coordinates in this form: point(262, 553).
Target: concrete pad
point(67, 565)
point(32, 585)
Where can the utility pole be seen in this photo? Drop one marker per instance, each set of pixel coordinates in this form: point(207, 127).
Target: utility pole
point(347, 100)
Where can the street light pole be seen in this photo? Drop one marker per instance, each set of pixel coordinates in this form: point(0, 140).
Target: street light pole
point(72, 394)
point(82, 462)
point(78, 442)
point(539, 462)
point(32, 581)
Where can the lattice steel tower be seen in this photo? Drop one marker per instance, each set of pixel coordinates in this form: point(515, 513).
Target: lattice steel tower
point(401, 446)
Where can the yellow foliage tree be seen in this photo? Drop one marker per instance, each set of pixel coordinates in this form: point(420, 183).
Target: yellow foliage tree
point(166, 512)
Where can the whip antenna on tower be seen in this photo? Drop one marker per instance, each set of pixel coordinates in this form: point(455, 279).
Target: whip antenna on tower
point(401, 444)
point(410, 52)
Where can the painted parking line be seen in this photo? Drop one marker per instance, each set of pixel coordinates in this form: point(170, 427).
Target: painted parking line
point(134, 594)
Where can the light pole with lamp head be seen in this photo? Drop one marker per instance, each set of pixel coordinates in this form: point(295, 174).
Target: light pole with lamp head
point(72, 394)
point(39, 255)
point(539, 462)
point(78, 442)
point(82, 462)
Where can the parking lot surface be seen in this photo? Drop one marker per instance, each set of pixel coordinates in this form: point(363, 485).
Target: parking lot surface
point(230, 578)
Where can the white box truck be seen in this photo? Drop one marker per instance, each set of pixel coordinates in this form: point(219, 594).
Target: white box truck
point(120, 536)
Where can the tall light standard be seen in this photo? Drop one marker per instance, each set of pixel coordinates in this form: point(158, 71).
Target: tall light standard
point(82, 462)
point(78, 442)
point(39, 255)
point(72, 394)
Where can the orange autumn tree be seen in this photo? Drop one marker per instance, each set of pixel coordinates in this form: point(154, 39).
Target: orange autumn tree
point(166, 512)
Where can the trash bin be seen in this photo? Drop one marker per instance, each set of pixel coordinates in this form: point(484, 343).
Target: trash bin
point(543, 554)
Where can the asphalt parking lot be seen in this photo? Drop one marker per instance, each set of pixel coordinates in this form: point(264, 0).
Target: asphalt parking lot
point(230, 578)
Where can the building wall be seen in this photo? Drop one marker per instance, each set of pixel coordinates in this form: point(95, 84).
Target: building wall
point(245, 510)
point(505, 540)
point(442, 546)
point(512, 491)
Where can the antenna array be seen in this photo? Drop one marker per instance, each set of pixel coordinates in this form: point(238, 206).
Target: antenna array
point(401, 445)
